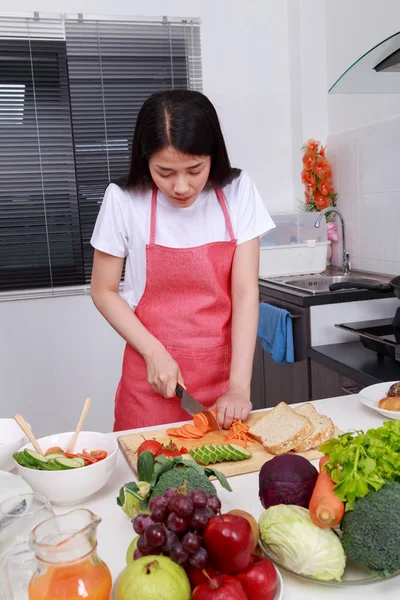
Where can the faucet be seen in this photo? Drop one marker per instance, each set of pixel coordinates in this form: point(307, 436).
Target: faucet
point(346, 255)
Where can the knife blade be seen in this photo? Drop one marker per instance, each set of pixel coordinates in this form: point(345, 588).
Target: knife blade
point(193, 407)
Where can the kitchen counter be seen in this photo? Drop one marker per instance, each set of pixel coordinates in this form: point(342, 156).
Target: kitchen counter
point(116, 532)
point(302, 298)
point(357, 362)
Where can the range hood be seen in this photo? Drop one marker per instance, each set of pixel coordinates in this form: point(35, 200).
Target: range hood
point(376, 72)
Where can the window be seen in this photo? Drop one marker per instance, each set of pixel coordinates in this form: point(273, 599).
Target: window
point(70, 91)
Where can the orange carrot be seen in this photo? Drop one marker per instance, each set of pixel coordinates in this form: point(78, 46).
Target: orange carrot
point(200, 422)
point(192, 430)
point(239, 431)
point(326, 509)
point(173, 432)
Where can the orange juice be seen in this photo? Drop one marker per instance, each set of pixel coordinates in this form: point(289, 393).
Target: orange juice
point(87, 579)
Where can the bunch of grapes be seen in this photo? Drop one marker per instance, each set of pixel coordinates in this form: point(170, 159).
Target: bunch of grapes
point(174, 526)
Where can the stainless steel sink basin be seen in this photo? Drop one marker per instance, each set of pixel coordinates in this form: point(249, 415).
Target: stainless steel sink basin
point(319, 284)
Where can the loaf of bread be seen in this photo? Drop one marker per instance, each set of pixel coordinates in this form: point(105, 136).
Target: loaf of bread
point(323, 428)
point(392, 403)
point(281, 429)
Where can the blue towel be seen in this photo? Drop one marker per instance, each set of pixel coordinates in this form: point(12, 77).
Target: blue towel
point(276, 332)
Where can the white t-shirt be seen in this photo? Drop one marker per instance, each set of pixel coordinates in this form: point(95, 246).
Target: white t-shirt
point(123, 225)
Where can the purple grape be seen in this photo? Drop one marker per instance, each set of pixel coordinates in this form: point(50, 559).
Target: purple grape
point(183, 507)
point(171, 502)
point(178, 554)
point(191, 542)
point(157, 502)
point(177, 524)
point(142, 546)
point(169, 493)
point(200, 518)
point(214, 503)
point(199, 498)
point(141, 522)
point(154, 536)
point(170, 540)
point(159, 514)
point(200, 559)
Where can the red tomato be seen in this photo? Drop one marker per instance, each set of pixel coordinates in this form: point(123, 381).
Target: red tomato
point(167, 452)
point(54, 450)
point(150, 446)
point(98, 454)
point(184, 450)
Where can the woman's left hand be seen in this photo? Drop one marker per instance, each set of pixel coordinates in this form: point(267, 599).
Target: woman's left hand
point(232, 406)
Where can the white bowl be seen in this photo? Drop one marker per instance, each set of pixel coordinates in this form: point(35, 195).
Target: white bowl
point(11, 439)
point(76, 485)
point(371, 395)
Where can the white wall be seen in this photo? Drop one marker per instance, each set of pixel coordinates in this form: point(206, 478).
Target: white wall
point(55, 352)
point(352, 28)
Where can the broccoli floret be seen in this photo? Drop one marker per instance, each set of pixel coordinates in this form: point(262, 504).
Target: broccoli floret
point(177, 477)
point(371, 531)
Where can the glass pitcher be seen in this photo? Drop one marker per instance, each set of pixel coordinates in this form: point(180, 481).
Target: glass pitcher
point(68, 565)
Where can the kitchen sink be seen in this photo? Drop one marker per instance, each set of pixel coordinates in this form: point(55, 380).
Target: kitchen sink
point(320, 284)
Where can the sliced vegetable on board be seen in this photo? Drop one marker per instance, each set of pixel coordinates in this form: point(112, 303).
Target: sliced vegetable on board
point(213, 453)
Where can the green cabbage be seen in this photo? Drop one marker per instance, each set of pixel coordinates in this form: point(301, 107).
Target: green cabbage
point(296, 543)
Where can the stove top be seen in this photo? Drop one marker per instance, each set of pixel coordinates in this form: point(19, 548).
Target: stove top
point(381, 335)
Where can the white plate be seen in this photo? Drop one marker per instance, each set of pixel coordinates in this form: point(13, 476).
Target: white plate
point(12, 485)
point(371, 395)
point(279, 586)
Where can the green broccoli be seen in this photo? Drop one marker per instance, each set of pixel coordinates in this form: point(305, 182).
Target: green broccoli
point(174, 478)
point(371, 531)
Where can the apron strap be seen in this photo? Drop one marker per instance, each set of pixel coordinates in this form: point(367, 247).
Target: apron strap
point(222, 201)
point(153, 214)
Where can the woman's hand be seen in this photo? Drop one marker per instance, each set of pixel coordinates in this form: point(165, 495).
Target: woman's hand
point(232, 407)
point(163, 372)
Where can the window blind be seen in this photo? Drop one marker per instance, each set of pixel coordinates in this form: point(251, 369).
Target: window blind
point(71, 128)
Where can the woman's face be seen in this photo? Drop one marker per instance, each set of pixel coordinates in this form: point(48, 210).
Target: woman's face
point(180, 177)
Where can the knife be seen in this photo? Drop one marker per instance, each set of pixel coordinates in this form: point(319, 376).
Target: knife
point(191, 406)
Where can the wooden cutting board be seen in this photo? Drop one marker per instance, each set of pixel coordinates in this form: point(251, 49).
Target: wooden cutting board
point(131, 442)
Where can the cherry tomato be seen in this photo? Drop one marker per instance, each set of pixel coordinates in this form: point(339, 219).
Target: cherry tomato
point(167, 452)
point(184, 450)
point(150, 446)
point(98, 454)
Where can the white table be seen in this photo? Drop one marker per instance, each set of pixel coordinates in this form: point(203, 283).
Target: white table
point(115, 532)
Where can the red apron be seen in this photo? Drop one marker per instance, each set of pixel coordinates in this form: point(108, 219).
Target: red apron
point(187, 306)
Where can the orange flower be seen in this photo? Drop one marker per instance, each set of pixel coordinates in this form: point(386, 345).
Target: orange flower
point(321, 201)
point(312, 144)
point(308, 178)
point(324, 189)
point(322, 151)
point(309, 161)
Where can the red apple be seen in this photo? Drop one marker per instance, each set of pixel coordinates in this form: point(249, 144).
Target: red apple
point(198, 576)
point(259, 581)
point(229, 542)
point(221, 587)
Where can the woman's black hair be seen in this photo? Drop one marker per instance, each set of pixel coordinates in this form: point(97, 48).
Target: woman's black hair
point(185, 120)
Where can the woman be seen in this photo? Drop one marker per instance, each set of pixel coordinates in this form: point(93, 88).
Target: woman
point(188, 225)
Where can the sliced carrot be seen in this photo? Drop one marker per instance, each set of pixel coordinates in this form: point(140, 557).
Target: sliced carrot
point(200, 422)
point(173, 432)
point(193, 431)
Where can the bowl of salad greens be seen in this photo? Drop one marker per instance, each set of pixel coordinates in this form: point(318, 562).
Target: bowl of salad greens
point(73, 477)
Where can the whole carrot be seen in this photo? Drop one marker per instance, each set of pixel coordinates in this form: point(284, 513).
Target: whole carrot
point(326, 509)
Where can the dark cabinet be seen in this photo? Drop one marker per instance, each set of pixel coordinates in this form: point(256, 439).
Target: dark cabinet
point(326, 383)
point(273, 383)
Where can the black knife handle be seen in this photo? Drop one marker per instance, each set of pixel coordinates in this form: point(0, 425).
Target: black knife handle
point(179, 391)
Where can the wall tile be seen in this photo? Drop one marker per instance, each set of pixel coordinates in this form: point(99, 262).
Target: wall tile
point(391, 156)
point(370, 159)
point(391, 226)
point(371, 226)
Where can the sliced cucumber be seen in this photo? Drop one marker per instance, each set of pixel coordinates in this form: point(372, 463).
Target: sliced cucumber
point(35, 459)
point(21, 459)
point(67, 463)
point(80, 460)
point(213, 453)
point(54, 455)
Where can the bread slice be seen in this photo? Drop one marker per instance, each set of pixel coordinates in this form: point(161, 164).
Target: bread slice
point(281, 429)
point(323, 428)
